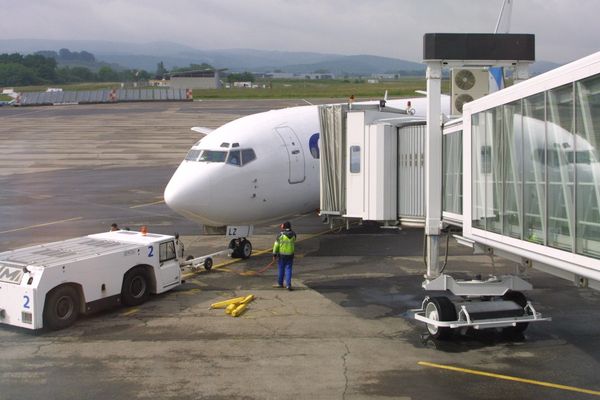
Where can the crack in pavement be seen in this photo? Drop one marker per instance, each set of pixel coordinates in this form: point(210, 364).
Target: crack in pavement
point(345, 366)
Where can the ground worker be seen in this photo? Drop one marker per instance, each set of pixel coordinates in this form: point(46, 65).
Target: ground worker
point(179, 248)
point(114, 227)
point(284, 249)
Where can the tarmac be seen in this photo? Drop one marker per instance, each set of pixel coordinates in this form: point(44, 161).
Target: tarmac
point(345, 332)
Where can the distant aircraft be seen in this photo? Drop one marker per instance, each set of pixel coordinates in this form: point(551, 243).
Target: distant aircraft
point(256, 169)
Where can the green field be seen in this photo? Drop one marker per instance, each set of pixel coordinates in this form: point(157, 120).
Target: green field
point(299, 89)
point(286, 89)
point(71, 86)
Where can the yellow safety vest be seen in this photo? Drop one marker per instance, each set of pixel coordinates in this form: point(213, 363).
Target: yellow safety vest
point(284, 245)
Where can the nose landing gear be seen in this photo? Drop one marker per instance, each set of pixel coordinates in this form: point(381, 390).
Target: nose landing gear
point(238, 244)
point(241, 248)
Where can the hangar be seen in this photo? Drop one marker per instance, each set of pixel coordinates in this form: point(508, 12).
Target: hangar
point(197, 79)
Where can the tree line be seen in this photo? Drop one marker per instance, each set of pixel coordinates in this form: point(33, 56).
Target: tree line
point(42, 68)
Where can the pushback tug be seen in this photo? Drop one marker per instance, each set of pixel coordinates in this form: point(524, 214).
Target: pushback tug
point(50, 285)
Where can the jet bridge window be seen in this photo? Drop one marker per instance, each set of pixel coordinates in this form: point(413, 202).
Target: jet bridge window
point(486, 159)
point(213, 156)
point(192, 155)
point(167, 251)
point(355, 159)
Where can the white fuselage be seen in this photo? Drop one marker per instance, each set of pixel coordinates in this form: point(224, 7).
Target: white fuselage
point(212, 187)
point(274, 184)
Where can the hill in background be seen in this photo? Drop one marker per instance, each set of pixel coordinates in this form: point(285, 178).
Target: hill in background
point(67, 58)
point(147, 55)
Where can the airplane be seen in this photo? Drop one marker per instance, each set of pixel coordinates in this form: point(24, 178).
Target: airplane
point(256, 169)
point(551, 154)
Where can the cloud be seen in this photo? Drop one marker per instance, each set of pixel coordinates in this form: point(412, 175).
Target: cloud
point(381, 27)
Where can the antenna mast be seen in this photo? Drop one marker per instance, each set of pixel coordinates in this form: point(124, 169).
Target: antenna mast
point(505, 12)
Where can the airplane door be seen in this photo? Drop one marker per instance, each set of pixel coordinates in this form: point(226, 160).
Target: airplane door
point(295, 154)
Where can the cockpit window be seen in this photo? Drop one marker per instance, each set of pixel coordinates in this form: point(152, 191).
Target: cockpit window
point(555, 160)
point(248, 155)
point(234, 158)
point(213, 156)
point(225, 144)
point(240, 157)
point(192, 155)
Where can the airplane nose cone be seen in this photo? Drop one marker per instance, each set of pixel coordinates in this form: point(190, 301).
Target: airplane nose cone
point(188, 191)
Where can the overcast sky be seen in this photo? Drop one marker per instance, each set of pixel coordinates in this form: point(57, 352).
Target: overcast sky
point(564, 29)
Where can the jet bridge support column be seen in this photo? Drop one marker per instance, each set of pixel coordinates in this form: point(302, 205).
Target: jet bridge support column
point(433, 168)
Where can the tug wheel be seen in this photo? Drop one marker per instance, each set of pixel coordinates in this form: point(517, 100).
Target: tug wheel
point(136, 287)
point(208, 263)
point(61, 308)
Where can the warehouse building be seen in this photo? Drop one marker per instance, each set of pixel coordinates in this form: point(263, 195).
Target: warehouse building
point(200, 79)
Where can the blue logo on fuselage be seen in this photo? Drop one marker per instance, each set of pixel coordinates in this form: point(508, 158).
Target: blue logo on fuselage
point(313, 145)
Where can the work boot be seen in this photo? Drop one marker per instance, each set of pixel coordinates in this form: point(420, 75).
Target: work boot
point(289, 288)
point(278, 286)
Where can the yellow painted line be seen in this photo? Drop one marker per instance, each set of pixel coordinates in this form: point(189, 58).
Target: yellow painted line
point(314, 235)
point(254, 253)
point(261, 252)
point(190, 292)
point(41, 225)
point(130, 312)
point(148, 204)
point(509, 378)
point(201, 269)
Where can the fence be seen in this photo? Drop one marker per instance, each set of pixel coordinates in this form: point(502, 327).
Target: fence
point(102, 96)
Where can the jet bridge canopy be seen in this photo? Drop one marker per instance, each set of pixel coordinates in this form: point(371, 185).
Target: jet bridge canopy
point(333, 127)
point(368, 153)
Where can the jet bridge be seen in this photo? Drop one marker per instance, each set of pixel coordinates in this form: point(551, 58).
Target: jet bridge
point(373, 168)
point(392, 169)
point(530, 193)
point(367, 155)
point(531, 173)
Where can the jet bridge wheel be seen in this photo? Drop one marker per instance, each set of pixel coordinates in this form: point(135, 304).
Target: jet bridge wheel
point(61, 308)
point(440, 309)
point(521, 300)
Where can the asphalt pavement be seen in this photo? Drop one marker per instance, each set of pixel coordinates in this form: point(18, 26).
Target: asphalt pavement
point(345, 332)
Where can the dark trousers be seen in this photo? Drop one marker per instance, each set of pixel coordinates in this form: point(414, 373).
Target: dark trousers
point(285, 264)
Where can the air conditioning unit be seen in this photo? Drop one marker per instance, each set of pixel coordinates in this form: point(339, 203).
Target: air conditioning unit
point(468, 84)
